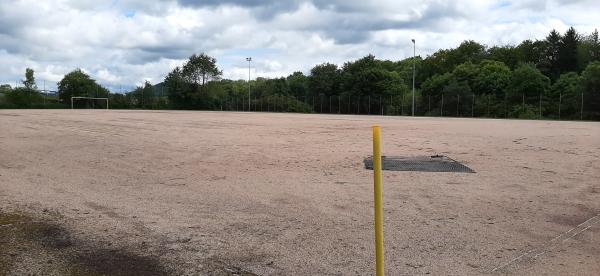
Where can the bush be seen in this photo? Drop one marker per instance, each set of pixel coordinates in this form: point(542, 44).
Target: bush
point(23, 98)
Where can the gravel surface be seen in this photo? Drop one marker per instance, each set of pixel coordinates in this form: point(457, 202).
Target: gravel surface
point(226, 193)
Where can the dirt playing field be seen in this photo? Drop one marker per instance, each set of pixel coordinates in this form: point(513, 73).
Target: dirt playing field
point(218, 193)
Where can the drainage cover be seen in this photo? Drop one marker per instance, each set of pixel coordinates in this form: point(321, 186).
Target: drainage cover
point(435, 163)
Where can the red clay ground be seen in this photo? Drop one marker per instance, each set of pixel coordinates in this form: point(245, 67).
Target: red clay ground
point(287, 194)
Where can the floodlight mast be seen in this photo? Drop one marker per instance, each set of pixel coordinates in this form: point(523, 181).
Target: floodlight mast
point(249, 59)
point(413, 82)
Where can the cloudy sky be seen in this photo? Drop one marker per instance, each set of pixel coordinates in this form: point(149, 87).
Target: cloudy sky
point(121, 43)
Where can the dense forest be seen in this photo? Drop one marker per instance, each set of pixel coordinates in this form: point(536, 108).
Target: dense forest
point(554, 78)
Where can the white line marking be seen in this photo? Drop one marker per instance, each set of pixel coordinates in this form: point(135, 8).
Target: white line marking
point(551, 243)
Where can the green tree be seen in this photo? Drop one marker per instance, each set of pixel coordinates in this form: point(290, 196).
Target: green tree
point(119, 101)
point(22, 97)
point(143, 96)
point(189, 87)
point(588, 50)
point(180, 91)
point(467, 51)
point(363, 77)
point(29, 81)
point(492, 78)
point(453, 92)
point(528, 82)
point(405, 70)
point(199, 69)
point(530, 52)
point(435, 64)
point(298, 84)
point(444, 61)
point(466, 72)
point(549, 63)
point(79, 84)
point(567, 55)
point(591, 90)
point(368, 77)
point(509, 55)
point(324, 79)
point(566, 91)
point(432, 90)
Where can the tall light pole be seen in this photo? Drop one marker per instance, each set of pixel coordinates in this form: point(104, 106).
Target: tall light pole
point(248, 59)
point(413, 88)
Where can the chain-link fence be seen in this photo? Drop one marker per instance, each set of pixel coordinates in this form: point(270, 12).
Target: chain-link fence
point(561, 107)
point(524, 106)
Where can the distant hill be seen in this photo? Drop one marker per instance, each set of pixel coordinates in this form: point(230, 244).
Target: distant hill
point(160, 85)
point(160, 89)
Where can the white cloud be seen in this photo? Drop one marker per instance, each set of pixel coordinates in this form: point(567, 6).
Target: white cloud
point(122, 43)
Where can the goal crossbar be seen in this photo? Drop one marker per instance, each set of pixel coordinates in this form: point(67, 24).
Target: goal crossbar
point(89, 98)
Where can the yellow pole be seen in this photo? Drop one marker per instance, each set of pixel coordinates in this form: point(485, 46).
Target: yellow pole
point(378, 201)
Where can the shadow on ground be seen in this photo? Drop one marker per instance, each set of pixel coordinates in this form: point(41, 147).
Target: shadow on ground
point(31, 246)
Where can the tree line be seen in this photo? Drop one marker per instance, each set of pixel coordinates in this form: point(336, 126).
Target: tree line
point(557, 78)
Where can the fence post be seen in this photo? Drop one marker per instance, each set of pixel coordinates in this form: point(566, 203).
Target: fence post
point(442, 108)
point(339, 104)
point(369, 107)
point(581, 106)
point(559, 103)
point(488, 105)
point(349, 104)
point(381, 104)
point(505, 106)
point(321, 103)
point(458, 105)
point(402, 105)
point(473, 106)
point(540, 106)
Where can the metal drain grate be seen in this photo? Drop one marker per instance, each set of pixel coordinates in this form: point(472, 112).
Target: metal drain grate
point(436, 163)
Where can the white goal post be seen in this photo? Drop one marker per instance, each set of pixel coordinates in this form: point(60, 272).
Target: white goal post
point(88, 98)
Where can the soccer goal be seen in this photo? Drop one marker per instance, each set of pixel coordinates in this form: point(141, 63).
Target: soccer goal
point(89, 102)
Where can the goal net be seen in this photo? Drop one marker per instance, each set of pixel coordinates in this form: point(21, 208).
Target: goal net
point(89, 103)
